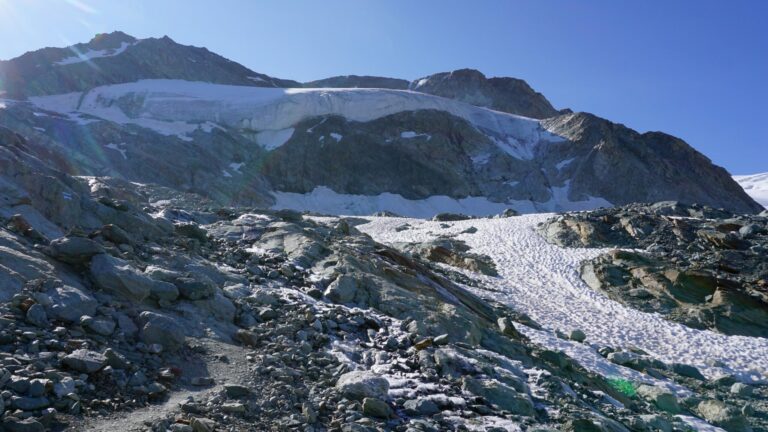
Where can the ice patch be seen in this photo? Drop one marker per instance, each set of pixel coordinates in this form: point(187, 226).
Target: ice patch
point(336, 136)
point(481, 159)
point(90, 55)
point(272, 139)
point(117, 147)
point(324, 200)
point(543, 281)
point(234, 166)
point(412, 134)
point(756, 186)
point(564, 163)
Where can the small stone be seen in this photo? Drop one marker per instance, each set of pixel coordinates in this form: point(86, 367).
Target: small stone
point(687, 371)
point(577, 335)
point(64, 387)
point(233, 408)
point(741, 389)
point(506, 327)
point(423, 344)
point(376, 408)
point(420, 407)
point(440, 340)
point(202, 424)
point(236, 391)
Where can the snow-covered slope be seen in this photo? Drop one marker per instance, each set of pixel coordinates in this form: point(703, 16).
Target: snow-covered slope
point(756, 186)
point(542, 280)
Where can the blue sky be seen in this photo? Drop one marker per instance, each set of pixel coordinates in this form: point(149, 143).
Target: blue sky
point(694, 69)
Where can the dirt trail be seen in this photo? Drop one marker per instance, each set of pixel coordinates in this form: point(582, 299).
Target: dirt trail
point(234, 370)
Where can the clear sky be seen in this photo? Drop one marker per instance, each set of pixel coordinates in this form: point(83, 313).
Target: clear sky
point(697, 69)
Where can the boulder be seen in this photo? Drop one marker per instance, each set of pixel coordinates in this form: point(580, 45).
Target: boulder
point(85, 361)
point(420, 406)
point(499, 394)
point(36, 316)
point(74, 250)
point(164, 291)
point(687, 371)
point(342, 290)
point(12, 424)
point(376, 408)
point(662, 398)
point(115, 234)
point(116, 276)
point(161, 329)
point(359, 385)
point(195, 288)
point(724, 416)
point(69, 304)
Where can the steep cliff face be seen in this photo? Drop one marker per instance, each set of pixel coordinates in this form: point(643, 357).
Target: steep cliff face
point(624, 166)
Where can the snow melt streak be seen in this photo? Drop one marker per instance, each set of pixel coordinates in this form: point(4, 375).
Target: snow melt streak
point(542, 280)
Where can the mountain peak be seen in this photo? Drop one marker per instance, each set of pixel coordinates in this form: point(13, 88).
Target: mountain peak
point(110, 40)
point(512, 95)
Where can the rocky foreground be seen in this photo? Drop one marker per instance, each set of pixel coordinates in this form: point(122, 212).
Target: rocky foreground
point(186, 318)
point(128, 306)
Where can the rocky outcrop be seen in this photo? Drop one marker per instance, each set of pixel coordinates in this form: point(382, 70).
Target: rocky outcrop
point(621, 165)
point(702, 267)
point(510, 95)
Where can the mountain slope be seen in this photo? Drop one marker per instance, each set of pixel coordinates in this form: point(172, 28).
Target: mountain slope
point(341, 150)
point(756, 186)
point(119, 58)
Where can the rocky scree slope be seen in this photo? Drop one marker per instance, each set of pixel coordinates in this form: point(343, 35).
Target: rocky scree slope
point(122, 298)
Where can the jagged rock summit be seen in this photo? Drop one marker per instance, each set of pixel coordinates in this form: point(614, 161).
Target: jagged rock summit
point(154, 111)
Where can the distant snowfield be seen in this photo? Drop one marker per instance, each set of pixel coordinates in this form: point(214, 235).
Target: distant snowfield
point(542, 280)
point(756, 186)
point(324, 200)
point(167, 105)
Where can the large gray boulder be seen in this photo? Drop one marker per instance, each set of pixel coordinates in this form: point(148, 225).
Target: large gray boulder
point(74, 250)
point(502, 395)
point(724, 416)
point(116, 276)
point(359, 385)
point(69, 304)
point(161, 329)
point(85, 361)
